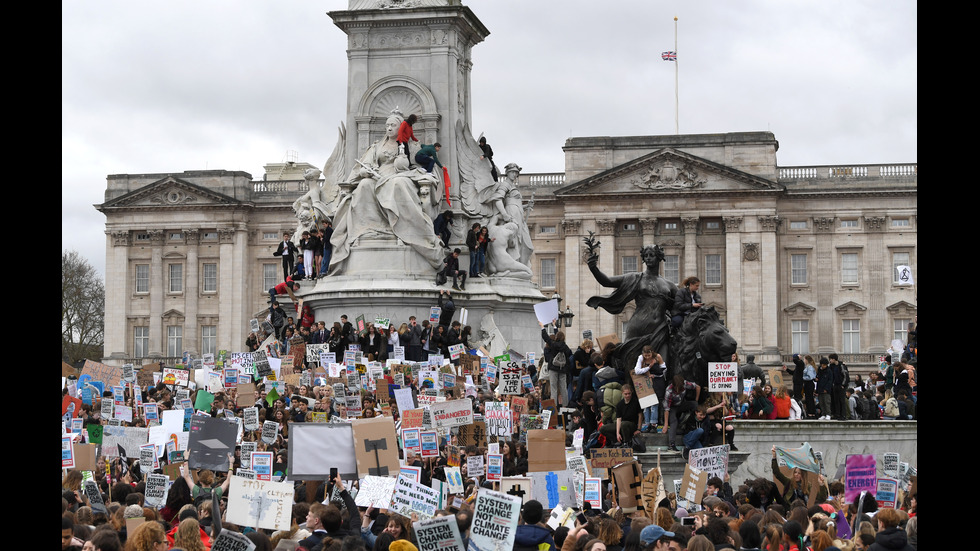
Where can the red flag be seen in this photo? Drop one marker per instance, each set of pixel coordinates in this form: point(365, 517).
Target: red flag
point(445, 178)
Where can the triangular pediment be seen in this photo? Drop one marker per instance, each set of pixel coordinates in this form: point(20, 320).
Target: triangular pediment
point(851, 306)
point(901, 307)
point(670, 171)
point(801, 307)
point(171, 192)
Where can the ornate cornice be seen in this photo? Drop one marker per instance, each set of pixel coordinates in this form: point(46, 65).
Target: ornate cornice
point(793, 308)
point(824, 224)
point(571, 226)
point(732, 223)
point(193, 237)
point(769, 223)
point(119, 238)
point(648, 224)
point(874, 223)
point(156, 237)
point(690, 224)
point(606, 227)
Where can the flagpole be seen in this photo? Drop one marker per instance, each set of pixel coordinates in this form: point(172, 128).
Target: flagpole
point(676, 94)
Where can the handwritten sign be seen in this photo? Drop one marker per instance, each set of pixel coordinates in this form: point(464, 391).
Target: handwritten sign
point(713, 460)
point(260, 504)
point(860, 474)
point(411, 497)
point(722, 377)
point(452, 413)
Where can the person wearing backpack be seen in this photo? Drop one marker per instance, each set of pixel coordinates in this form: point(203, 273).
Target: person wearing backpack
point(838, 397)
point(558, 356)
point(202, 492)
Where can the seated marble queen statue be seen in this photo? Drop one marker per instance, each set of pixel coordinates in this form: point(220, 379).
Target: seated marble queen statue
point(386, 201)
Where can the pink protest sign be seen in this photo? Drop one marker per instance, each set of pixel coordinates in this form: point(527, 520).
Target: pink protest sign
point(860, 474)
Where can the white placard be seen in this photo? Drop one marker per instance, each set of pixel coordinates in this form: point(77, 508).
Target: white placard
point(260, 504)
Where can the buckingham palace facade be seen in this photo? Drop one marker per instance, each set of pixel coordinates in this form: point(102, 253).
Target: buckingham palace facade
point(796, 259)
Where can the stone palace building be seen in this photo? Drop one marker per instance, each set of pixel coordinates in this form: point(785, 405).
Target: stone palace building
point(796, 259)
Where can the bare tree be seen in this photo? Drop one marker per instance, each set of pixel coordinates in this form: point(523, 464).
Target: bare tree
point(82, 309)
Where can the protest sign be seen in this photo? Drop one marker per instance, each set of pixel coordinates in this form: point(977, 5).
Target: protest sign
point(261, 464)
point(775, 378)
point(430, 444)
point(452, 413)
point(411, 497)
point(353, 407)
point(260, 504)
point(643, 387)
point(593, 493)
point(156, 490)
point(652, 491)
point(107, 374)
point(886, 492)
point(547, 311)
point(176, 376)
point(509, 374)
point(607, 458)
point(148, 458)
point(251, 418)
point(411, 440)
point(375, 491)
point(94, 497)
point(890, 463)
point(713, 460)
point(474, 434)
point(315, 448)
point(859, 475)
point(412, 418)
point(693, 484)
point(454, 479)
point(495, 467)
point(67, 453)
point(84, 456)
point(211, 441)
point(474, 466)
point(545, 450)
point(403, 397)
point(722, 377)
point(495, 518)
point(553, 488)
point(270, 429)
point(407, 471)
point(129, 438)
point(232, 541)
point(498, 419)
point(123, 413)
point(602, 341)
point(434, 314)
point(438, 534)
point(576, 462)
point(247, 449)
point(375, 446)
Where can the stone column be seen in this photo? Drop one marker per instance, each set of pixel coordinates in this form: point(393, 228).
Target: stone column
point(234, 305)
point(770, 289)
point(818, 269)
point(690, 248)
point(192, 332)
point(879, 270)
point(649, 228)
point(574, 284)
point(607, 262)
point(118, 279)
point(733, 275)
point(158, 287)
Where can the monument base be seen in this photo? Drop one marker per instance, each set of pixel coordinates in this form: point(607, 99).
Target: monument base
point(506, 302)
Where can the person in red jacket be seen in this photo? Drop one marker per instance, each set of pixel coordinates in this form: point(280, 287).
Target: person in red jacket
point(285, 288)
point(405, 132)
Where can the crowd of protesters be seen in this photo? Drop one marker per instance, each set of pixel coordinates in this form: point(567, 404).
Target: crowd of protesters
point(755, 515)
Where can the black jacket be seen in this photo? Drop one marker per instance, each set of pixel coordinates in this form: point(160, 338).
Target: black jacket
point(683, 300)
point(891, 538)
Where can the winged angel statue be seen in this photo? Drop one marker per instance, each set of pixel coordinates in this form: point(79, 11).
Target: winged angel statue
point(320, 203)
point(497, 205)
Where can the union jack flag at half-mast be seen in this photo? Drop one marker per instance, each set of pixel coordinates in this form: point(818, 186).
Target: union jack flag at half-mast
point(669, 56)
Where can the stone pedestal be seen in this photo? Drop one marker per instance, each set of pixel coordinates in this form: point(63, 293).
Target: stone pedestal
point(388, 291)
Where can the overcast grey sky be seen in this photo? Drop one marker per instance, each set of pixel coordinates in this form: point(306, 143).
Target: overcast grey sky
point(189, 85)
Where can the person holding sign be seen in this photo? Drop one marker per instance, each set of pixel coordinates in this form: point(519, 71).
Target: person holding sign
point(202, 492)
point(676, 401)
point(800, 486)
point(559, 358)
point(652, 365)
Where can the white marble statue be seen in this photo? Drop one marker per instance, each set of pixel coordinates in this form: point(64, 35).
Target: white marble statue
point(320, 202)
point(498, 205)
point(385, 202)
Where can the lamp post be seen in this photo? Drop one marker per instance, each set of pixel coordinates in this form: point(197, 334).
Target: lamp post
point(565, 316)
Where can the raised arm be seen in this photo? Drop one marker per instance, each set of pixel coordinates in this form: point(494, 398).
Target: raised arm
point(603, 279)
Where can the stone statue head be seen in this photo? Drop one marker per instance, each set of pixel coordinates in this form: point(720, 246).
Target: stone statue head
point(512, 171)
point(652, 254)
point(391, 126)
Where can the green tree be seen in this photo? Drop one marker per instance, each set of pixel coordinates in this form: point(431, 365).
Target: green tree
point(82, 309)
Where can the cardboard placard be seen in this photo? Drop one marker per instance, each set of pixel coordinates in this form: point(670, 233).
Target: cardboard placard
point(652, 491)
point(375, 446)
point(545, 450)
point(643, 387)
point(628, 478)
point(712, 460)
point(474, 434)
point(84, 456)
point(692, 485)
point(109, 375)
point(602, 341)
point(775, 378)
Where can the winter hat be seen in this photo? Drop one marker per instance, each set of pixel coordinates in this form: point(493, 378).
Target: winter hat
point(532, 512)
point(402, 545)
